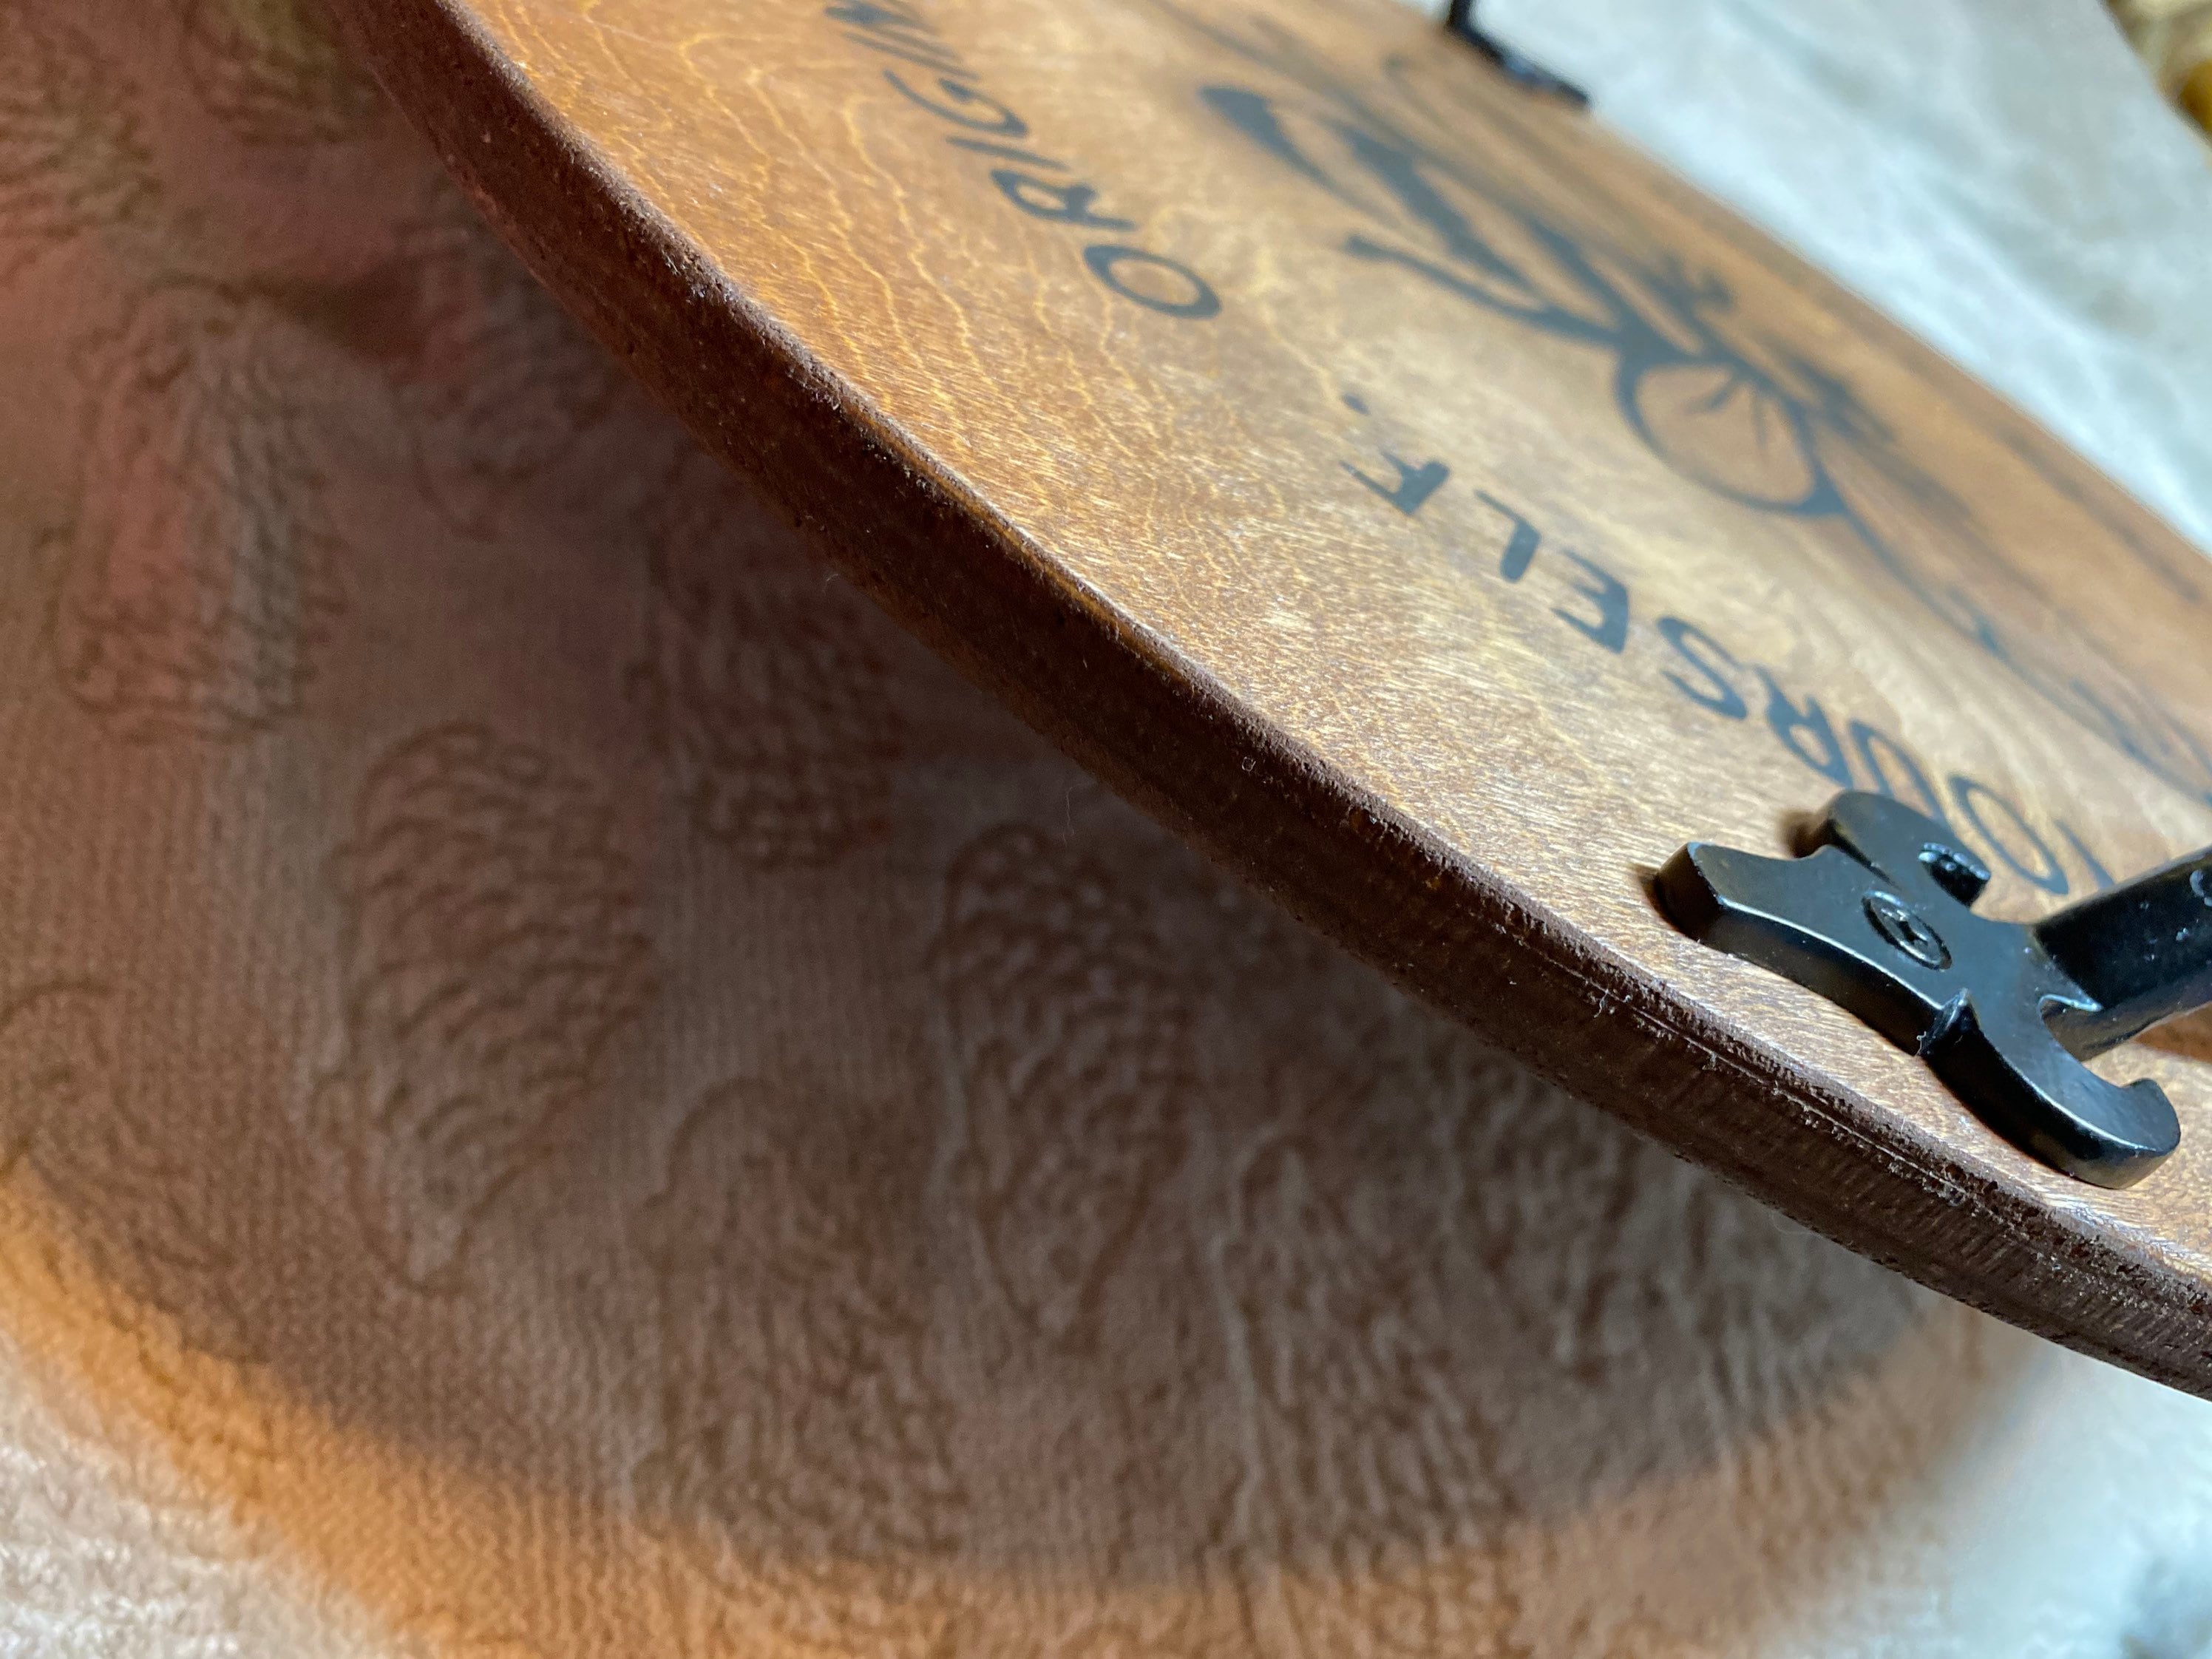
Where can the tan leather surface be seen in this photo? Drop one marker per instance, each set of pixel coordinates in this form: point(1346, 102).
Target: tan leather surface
point(566, 1091)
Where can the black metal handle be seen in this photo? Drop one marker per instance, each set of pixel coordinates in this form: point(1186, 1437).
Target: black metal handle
point(2142, 950)
point(1879, 917)
point(1461, 20)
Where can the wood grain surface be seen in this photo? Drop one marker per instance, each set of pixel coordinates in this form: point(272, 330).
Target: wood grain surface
point(1428, 507)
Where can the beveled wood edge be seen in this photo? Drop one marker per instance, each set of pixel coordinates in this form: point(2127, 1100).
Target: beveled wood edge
point(971, 587)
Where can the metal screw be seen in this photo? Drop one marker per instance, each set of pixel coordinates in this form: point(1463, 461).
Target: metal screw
point(1903, 927)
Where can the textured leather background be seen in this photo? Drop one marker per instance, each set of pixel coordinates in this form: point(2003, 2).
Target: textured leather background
point(564, 1091)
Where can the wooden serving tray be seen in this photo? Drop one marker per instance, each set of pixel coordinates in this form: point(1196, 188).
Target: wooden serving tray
point(1435, 511)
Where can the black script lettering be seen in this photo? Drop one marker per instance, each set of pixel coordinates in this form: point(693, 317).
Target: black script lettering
point(1007, 153)
point(1866, 740)
point(1254, 115)
point(2181, 761)
point(870, 14)
point(1791, 723)
point(2098, 874)
point(921, 54)
point(2052, 877)
point(1006, 122)
point(1606, 591)
point(1724, 699)
point(1414, 486)
point(1107, 259)
point(1521, 547)
point(1042, 198)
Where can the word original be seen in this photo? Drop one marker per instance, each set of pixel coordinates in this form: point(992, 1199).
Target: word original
point(1042, 186)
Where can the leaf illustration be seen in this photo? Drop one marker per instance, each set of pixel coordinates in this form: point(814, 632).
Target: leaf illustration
point(805, 1464)
point(1380, 1487)
point(496, 949)
point(128, 1224)
point(202, 572)
point(767, 696)
point(274, 72)
point(71, 154)
point(501, 385)
point(1073, 1040)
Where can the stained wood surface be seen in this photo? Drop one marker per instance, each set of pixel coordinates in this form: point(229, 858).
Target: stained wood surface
point(1427, 505)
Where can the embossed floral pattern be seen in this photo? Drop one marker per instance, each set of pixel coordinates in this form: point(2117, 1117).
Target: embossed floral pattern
point(807, 1466)
point(494, 952)
point(768, 698)
point(147, 1253)
point(500, 386)
point(1073, 1040)
point(203, 571)
point(71, 156)
point(272, 72)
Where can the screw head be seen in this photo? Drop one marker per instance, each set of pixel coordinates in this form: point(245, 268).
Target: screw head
point(1906, 930)
point(1956, 872)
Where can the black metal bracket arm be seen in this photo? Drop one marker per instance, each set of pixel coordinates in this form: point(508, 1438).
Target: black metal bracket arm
point(1878, 917)
point(1460, 20)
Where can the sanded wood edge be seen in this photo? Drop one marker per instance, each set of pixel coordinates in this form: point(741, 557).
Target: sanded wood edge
point(1170, 742)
